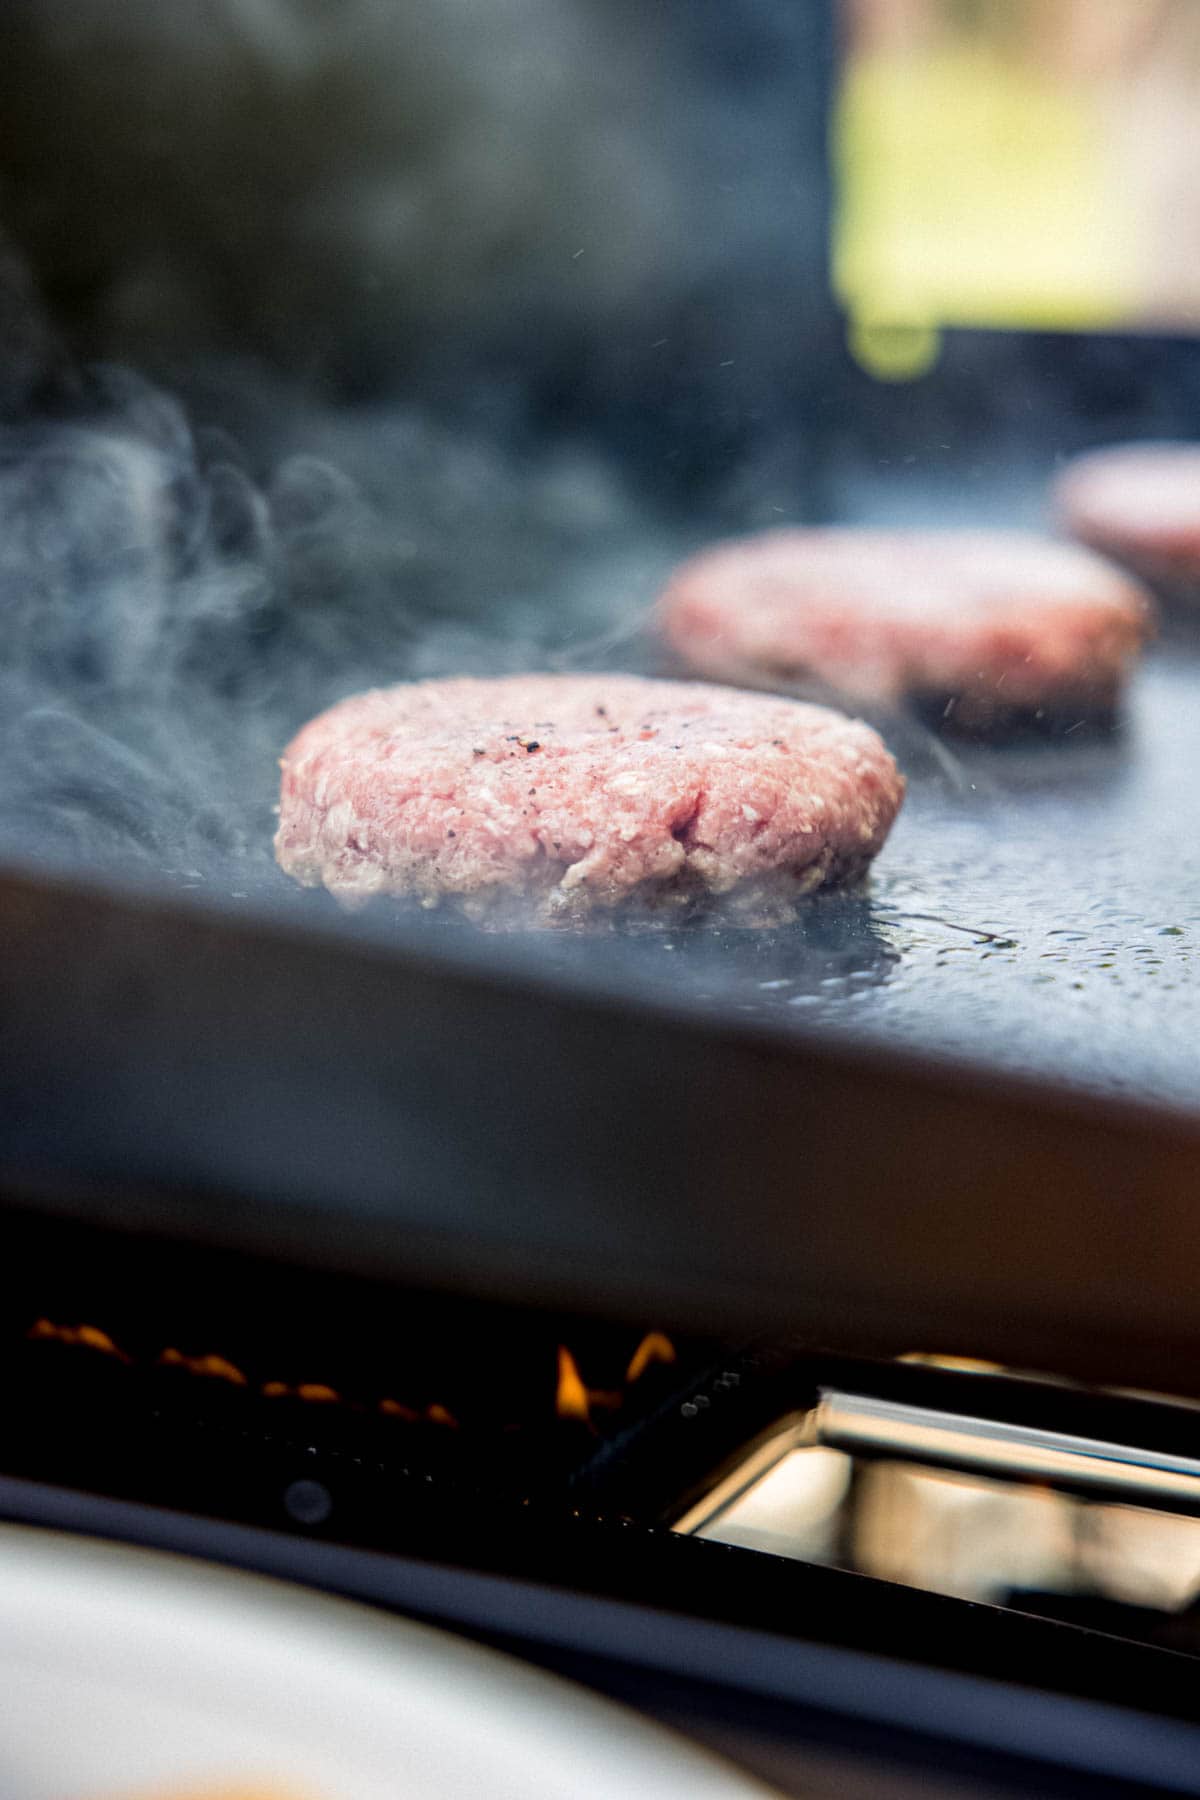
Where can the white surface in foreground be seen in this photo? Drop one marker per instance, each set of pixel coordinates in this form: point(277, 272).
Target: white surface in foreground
point(123, 1671)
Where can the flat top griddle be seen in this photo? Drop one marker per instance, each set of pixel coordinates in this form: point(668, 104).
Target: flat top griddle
point(1037, 908)
point(1036, 911)
point(959, 1108)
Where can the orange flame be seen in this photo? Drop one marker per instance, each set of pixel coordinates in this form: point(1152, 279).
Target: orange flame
point(435, 1414)
point(574, 1399)
point(86, 1336)
point(653, 1348)
point(214, 1366)
point(313, 1391)
point(395, 1410)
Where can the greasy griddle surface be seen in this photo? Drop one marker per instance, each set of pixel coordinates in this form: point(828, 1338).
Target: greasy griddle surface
point(1036, 909)
point(1083, 863)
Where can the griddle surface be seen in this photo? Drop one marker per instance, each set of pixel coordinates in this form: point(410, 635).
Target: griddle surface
point(1037, 909)
point(1083, 864)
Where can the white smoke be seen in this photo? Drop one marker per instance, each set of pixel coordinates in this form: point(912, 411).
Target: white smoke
point(346, 342)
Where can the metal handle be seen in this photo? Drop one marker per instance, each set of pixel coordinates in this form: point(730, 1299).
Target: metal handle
point(864, 1426)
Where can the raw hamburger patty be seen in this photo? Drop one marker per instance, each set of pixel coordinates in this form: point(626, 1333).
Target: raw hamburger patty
point(556, 797)
point(984, 628)
point(1141, 503)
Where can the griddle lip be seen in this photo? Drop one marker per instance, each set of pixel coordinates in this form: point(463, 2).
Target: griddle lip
point(507, 964)
point(172, 1068)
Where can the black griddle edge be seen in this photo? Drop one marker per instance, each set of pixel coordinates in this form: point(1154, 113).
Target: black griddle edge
point(453, 1122)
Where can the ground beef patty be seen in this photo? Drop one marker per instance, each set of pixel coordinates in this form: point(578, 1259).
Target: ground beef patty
point(550, 798)
point(982, 631)
point(1141, 504)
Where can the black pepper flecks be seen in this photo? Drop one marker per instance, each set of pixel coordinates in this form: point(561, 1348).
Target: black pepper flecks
point(531, 746)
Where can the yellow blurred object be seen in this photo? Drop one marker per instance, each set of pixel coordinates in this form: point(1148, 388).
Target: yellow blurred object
point(894, 352)
point(1025, 164)
point(973, 190)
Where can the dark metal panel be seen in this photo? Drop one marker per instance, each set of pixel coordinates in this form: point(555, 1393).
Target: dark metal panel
point(204, 1076)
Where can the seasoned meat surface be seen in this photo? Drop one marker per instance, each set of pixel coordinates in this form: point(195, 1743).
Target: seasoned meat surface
point(554, 798)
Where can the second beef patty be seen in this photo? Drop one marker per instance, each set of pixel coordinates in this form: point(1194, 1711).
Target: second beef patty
point(982, 630)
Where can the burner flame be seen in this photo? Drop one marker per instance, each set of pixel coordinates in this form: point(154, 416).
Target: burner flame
point(315, 1392)
point(434, 1415)
point(87, 1336)
point(654, 1348)
point(216, 1367)
point(575, 1400)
